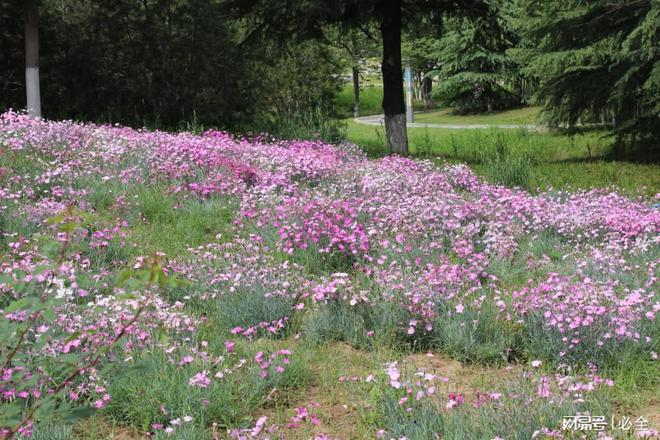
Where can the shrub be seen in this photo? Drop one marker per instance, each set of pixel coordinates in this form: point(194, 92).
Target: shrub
point(507, 168)
point(476, 335)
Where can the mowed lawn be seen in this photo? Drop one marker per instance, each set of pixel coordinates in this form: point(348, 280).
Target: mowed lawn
point(522, 116)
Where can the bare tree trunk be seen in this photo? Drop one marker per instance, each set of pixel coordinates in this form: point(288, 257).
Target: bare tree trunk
point(427, 92)
point(356, 92)
point(393, 104)
point(33, 93)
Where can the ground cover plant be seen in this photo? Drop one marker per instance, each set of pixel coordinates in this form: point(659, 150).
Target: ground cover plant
point(212, 286)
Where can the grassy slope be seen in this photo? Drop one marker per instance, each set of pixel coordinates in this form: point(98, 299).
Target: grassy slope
point(556, 160)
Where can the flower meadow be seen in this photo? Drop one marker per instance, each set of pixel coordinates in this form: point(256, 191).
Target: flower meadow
point(215, 286)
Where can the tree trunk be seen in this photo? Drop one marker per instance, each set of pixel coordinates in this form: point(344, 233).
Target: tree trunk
point(356, 92)
point(427, 92)
point(32, 91)
point(393, 104)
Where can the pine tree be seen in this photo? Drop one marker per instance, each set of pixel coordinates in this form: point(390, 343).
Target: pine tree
point(598, 60)
point(476, 73)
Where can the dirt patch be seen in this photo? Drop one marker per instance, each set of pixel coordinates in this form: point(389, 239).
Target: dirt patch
point(464, 379)
point(651, 412)
point(100, 428)
point(337, 395)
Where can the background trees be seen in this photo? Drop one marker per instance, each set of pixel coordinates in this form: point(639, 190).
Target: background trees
point(256, 64)
point(421, 49)
point(157, 62)
point(309, 20)
point(598, 61)
point(355, 46)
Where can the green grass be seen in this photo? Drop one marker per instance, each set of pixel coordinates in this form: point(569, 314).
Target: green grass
point(524, 115)
point(139, 395)
point(556, 160)
point(629, 177)
point(172, 226)
point(470, 145)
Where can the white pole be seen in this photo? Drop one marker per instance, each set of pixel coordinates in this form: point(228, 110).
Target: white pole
point(33, 92)
point(409, 93)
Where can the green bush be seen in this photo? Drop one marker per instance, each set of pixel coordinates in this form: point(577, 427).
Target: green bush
point(505, 167)
point(248, 308)
point(339, 321)
point(140, 396)
point(475, 335)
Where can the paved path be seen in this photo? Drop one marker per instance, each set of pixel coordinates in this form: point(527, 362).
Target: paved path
point(379, 120)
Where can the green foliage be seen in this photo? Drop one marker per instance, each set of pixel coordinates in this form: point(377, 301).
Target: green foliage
point(249, 308)
point(302, 123)
point(47, 431)
point(540, 342)
point(515, 415)
point(160, 64)
point(23, 339)
point(475, 73)
point(365, 326)
point(597, 61)
point(476, 336)
point(169, 225)
point(507, 168)
point(139, 396)
point(371, 100)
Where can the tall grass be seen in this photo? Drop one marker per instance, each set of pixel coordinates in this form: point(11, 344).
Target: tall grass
point(371, 101)
point(366, 326)
point(504, 167)
point(309, 123)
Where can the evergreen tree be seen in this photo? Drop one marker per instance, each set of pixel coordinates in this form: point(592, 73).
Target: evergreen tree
point(598, 60)
point(476, 74)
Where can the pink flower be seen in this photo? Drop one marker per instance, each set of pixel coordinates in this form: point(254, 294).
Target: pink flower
point(394, 375)
point(229, 346)
point(459, 308)
point(258, 427)
point(186, 360)
point(102, 402)
point(200, 380)
point(543, 389)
